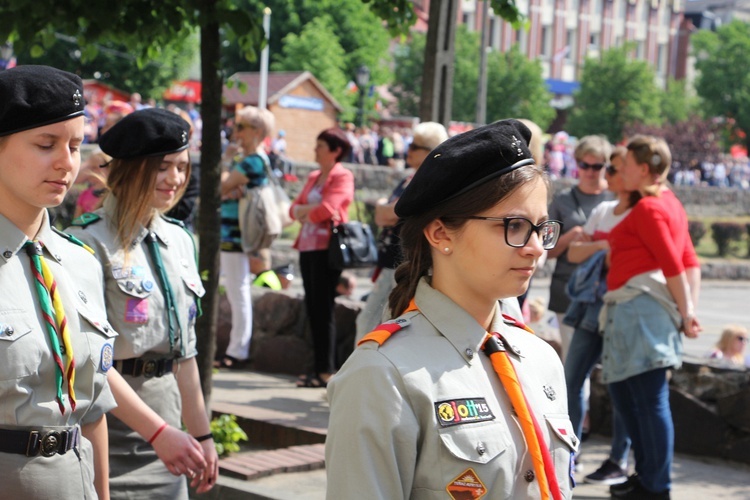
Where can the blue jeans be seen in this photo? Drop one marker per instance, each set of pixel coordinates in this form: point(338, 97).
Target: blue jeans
point(584, 352)
point(643, 404)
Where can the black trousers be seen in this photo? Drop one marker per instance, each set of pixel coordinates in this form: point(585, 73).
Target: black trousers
point(319, 282)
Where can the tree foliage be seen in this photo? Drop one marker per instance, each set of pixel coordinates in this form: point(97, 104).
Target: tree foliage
point(616, 91)
point(723, 82)
point(515, 84)
point(677, 104)
point(693, 140)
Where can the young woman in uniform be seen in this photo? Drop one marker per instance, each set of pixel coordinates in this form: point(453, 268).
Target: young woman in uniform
point(55, 342)
point(152, 291)
point(451, 396)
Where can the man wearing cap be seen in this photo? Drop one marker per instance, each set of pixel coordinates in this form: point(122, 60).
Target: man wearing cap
point(55, 342)
point(452, 398)
point(152, 291)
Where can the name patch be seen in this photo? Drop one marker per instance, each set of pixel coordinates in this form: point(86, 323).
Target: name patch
point(463, 411)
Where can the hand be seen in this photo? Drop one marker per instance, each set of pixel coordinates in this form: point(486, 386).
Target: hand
point(234, 194)
point(179, 451)
point(577, 234)
point(207, 479)
point(691, 326)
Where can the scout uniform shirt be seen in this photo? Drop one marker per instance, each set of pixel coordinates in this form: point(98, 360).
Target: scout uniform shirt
point(28, 387)
point(136, 308)
point(424, 416)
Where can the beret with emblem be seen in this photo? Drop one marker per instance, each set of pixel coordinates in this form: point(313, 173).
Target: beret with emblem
point(464, 162)
point(147, 132)
point(34, 96)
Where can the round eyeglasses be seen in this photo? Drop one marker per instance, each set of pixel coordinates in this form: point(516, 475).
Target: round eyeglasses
point(518, 230)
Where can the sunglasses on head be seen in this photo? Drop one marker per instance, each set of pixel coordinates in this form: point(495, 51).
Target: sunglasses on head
point(587, 166)
point(242, 126)
point(417, 146)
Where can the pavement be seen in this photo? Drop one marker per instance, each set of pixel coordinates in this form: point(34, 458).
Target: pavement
point(287, 425)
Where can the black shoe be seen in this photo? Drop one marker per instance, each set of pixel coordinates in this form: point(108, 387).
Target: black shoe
point(609, 473)
point(619, 490)
point(641, 493)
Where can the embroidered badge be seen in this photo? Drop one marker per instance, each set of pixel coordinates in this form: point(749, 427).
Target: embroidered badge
point(107, 357)
point(136, 311)
point(119, 272)
point(147, 285)
point(193, 312)
point(550, 393)
point(82, 296)
point(463, 411)
point(466, 486)
point(137, 271)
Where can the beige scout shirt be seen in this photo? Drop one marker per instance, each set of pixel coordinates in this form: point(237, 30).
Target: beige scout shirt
point(27, 369)
point(135, 301)
point(386, 439)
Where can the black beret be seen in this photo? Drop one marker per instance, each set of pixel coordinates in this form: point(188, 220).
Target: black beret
point(464, 162)
point(147, 132)
point(33, 96)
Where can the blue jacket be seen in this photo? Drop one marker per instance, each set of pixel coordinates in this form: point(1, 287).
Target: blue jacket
point(586, 287)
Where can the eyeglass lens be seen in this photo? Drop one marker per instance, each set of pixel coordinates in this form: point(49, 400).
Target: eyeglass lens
point(518, 231)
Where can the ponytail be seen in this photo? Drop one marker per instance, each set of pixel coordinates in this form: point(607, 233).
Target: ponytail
point(417, 263)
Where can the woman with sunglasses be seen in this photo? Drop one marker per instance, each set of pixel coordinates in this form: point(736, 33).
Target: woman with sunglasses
point(252, 127)
point(451, 395)
point(583, 315)
point(426, 137)
point(573, 206)
point(652, 291)
point(730, 349)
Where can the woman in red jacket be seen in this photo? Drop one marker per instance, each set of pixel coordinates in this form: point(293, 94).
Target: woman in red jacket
point(325, 198)
point(653, 286)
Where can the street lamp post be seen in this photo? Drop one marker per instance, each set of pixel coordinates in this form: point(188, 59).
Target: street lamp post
point(363, 78)
point(6, 54)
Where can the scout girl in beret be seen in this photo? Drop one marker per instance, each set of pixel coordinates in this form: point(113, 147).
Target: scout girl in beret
point(451, 396)
point(56, 345)
point(152, 293)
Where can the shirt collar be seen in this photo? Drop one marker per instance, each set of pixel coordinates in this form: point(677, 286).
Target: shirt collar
point(157, 226)
point(454, 323)
point(13, 238)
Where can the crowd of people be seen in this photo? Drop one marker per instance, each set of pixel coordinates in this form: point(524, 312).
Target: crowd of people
point(448, 389)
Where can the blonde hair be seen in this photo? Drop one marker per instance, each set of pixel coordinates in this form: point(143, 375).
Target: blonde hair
point(132, 182)
point(262, 119)
point(595, 145)
point(429, 134)
point(654, 152)
point(535, 144)
point(728, 335)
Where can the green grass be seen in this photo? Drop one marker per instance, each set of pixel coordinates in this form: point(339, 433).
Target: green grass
point(706, 247)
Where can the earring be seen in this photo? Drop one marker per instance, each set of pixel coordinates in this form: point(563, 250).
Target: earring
point(446, 249)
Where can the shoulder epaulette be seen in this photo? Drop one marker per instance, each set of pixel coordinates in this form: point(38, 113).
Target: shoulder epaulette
point(383, 332)
point(74, 240)
point(518, 324)
point(86, 219)
point(172, 220)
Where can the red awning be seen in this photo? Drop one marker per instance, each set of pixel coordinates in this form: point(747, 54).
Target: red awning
point(184, 90)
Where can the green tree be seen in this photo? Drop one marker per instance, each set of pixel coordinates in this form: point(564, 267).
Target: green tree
point(516, 87)
point(676, 102)
point(615, 91)
point(329, 69)
point(723, 83)
point(116, 66)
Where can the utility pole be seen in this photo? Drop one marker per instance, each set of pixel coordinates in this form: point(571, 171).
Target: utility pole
point(437, 80)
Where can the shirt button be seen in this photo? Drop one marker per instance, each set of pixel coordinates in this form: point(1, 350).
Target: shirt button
point(7, 254)
point(528, 475)
point(9, 331)
point(481, 449)
point(469, 352)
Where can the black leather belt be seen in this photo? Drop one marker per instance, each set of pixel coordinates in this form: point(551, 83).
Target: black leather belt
point(149, 368)
point(33, 443)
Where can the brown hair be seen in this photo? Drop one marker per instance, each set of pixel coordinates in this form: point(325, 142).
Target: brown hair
point(416, 251)
point(654, 152)
point(336, 138)
point(132, 182)
point(621, 152)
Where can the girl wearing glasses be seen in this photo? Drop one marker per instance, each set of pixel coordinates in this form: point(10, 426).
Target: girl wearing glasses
point(573, 207)
point(451, 395)
point(653, 286)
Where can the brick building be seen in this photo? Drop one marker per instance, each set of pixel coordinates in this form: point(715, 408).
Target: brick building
point(301, 105)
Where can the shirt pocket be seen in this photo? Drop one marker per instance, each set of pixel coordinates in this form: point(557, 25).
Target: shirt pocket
point(21, 351)
point(195, 291)
point(476, 443)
